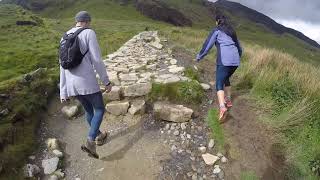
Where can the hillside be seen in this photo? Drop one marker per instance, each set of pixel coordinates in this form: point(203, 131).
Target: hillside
point(268, 46)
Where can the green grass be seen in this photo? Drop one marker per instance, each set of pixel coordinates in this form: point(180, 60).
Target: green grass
point(216, 128)
point(248, 175)
point(192, 74)
point(181, 92)
point(288, 90)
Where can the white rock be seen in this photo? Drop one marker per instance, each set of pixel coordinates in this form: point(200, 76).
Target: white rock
point(176, 133)
point(113, 77)
point(173, 147)
point(70, 111)
point(50, 165)
point(211, 144)
point(188, 136)
point(117, 107)
point(129, 77)
point(31, 170)
point(224, 159)
point(173, 61)
point(174, 113)
point(202, 149)
point(172, 79)
point(57, 153)
point(219, 154)
point(59, 174)
point(205, 86)
point(183, 126)
point(52, 144)
point(176, 70)
point(114, 94)
point(53, 177)
point(136, 90)
point(167, 126)
point(216, 170)
point(32, 157)
point(137, 106)
point(210, 159)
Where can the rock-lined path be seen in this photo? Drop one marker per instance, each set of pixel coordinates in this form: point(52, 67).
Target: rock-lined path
point(139, 147)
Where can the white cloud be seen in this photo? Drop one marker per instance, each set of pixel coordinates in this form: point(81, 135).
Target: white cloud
point(309, 29)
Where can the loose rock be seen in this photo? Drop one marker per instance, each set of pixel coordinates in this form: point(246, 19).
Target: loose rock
point(70, 111)
point(137, 90)
point(113, 95)
point(174, 113)
point(31, 170)
point(50, 165)
point(52, 144)
point(210, 159)
point(211, 144)
point(137, 106)
point(202, 149)
point(205, 86)
point(57, 153)
point(117, 108)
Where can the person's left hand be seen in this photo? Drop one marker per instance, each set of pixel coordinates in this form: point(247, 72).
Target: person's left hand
point(108, 88)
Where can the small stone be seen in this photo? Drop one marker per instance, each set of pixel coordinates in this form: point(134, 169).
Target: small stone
point(210, 159)
point(169, 132)
point(54, 177)
point(59, 173)
point(52, 144)
point(32, 157)
point(183, 126)
point(176, 133)
point(173, 61)
point(50, 165)
point(216, 170)
point(70, 111)
point(205, 86)
point(57, 153)
point(162, 132)
point(221, 175)
point(167, 126)
point(211, 144)
point(192, 158)
point(188, 136)
point(195, 177)
point(31, 170)
point(224, 159)
point(202, 149)
point(4, 112)
point(194, 168)
point(189, 174)
point(220, 155)
point(173, 148)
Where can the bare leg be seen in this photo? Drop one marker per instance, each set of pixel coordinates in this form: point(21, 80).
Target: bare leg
point(228, 91)
point(220, 95)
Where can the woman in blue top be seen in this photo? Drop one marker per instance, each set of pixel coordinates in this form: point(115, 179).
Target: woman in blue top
point(229, 53)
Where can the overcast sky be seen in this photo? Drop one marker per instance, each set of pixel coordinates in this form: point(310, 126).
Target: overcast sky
point(302, 15)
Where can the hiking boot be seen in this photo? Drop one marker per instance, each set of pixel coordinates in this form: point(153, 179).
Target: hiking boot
point(222, 113)
point(90, 148)
point(228, 102)
point(101, 138)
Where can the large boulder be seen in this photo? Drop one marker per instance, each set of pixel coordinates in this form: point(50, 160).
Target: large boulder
point(138, 89)
point(50, 165)
point(117, 107)
point(174, 113)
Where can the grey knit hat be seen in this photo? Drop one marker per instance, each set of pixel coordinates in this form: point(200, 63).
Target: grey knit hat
point(83, 16)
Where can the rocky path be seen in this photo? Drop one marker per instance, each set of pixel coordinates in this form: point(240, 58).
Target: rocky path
point(147, 141)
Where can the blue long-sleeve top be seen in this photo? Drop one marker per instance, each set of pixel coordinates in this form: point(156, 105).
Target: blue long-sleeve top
point(228, 54)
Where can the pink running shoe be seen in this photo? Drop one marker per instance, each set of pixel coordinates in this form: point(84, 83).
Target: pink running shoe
point(222, 114)
point(228, 102)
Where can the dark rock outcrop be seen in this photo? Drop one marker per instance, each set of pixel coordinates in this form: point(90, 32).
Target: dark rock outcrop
point(160, 11)
point(26, 23)
point(238, 10)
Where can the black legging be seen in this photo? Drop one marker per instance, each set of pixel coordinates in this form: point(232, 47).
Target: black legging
point(223, 75)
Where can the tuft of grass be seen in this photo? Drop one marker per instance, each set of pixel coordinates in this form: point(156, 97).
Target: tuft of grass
point(192, 74)
point(181, 92)
point(248, 175)
point(217, 130)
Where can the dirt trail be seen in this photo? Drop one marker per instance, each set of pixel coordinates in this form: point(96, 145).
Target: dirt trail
point(250, 146)
point(136, 152)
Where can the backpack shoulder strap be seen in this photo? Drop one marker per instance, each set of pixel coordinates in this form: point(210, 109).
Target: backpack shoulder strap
point(79, 31)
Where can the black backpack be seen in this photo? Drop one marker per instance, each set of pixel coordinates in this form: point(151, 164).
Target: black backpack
point(69, 52)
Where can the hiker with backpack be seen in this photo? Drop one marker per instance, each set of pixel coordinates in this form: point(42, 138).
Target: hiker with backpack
point(229, 52)
point(80, 57)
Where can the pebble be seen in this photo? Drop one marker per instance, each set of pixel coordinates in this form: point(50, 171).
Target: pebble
point(189, 174)
point(195, 177)
point(202, 149)
point(167, 126)
point(183, 126)
point(176, 133)
point(173, 148)
point(32, 157)
point(211, 144)
point(216, 169)
point(57, 153)
point(220, 155)
point(188, 136)
point(224, 159)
